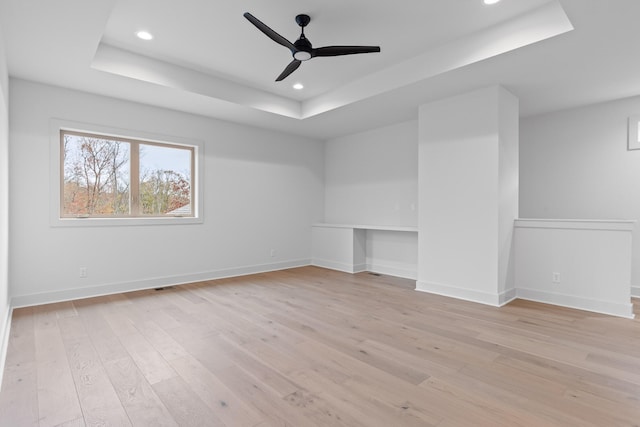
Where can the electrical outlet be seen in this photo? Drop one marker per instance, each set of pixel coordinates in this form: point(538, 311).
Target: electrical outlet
point(83, 272)
point(273, 253)
point(555, 277)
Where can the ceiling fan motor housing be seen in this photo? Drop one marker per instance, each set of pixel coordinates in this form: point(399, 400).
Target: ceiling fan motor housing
point(303, 49)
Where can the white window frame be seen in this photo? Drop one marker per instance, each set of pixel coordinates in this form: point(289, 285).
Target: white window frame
point(56, 170)
point(633, 133)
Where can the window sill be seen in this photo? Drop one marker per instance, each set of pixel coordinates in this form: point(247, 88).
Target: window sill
point(118, 222)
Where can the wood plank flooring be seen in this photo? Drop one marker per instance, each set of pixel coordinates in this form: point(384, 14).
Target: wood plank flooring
point(313, 347)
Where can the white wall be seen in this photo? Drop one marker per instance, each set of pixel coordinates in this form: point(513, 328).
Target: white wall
point(508, 186)
point(392, 253)
point(339, 248)
point(4, 205)
point(263, 190)
point(575, 164)
point(584, 264)
point(371, 178)
point(468, 195)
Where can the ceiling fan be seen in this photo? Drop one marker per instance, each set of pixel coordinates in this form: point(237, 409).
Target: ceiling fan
point(302, 50)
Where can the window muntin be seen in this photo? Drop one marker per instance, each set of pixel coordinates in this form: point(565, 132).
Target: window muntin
point(113, 177)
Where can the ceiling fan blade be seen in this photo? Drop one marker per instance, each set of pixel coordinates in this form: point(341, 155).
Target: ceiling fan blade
point(293, 65)
point(269, 32)
point(343, 50)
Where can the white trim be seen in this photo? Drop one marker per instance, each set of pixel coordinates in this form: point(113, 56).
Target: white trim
point(499, 300)
point(115, 222)
point(579, 224)
point(634, 140)
point(55, 124)
point(495, 300)
point(570, 301)
point(359, 268)
point(4, 335)
point(397, 271)
point(339, 266)
point(635, 291)
point(507, 296)
point(410, 229)
point(114, 288)
point(400, 270)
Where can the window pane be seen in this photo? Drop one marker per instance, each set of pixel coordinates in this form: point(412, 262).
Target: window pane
point(165, 180)
point(96, 176)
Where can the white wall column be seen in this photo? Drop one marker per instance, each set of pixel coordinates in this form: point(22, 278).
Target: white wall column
point(5, 306)
point(468, 195)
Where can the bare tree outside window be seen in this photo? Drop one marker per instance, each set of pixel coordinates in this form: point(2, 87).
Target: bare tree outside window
point(163, 191)
point(96, 176)
point(98, 173)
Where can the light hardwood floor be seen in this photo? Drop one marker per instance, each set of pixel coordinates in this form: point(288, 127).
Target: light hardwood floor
point(313, 347)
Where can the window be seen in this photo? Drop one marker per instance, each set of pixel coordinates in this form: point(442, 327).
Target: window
point(104, 176)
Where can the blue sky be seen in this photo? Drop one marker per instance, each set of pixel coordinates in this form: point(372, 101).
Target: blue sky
point(153, 157)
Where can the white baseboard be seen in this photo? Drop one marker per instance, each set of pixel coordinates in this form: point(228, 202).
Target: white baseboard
point(635, 292)
point(359, 268)
point(495, 300)
point(570, 301)
point(113, 288)
point(339, 266)
point(5, 332)
point(604, 307)
point(405, 271)
point(507, 296)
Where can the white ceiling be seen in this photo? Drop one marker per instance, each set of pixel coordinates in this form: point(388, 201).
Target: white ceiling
point(206, 58)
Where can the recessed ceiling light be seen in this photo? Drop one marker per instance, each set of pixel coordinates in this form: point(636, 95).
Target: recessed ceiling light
point(491, 1)
point(298, 86)
point(144, 35)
